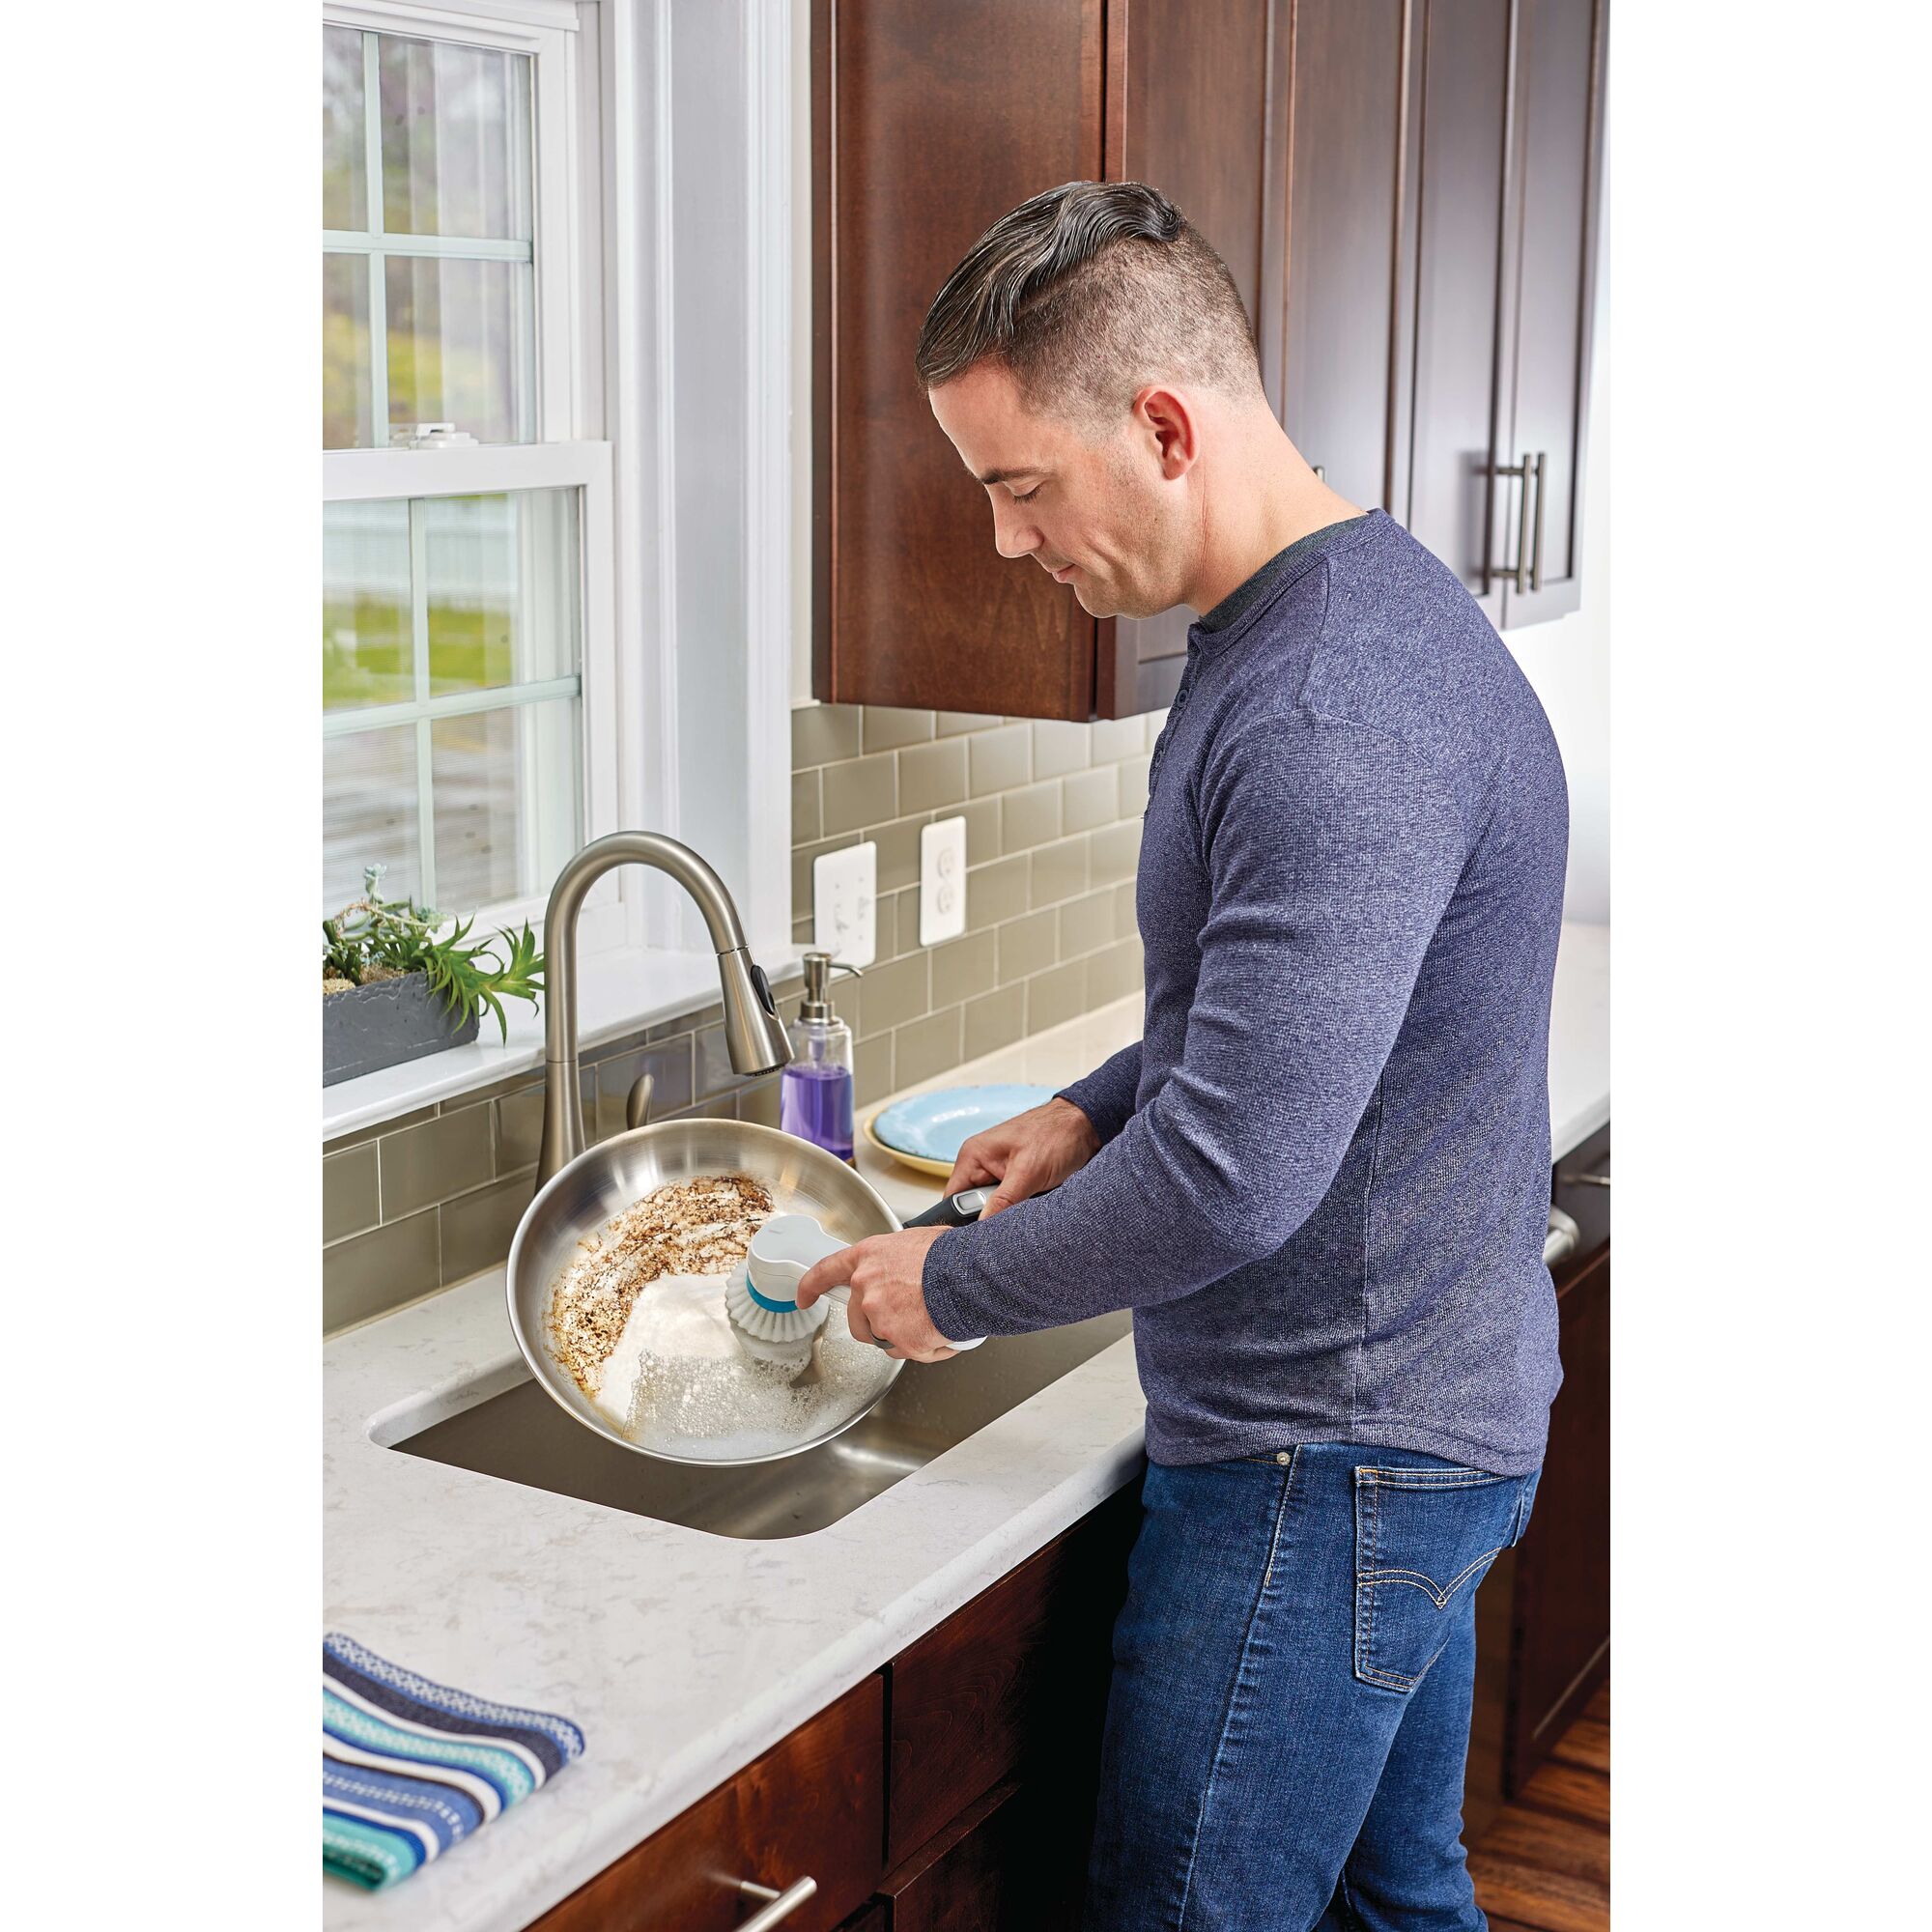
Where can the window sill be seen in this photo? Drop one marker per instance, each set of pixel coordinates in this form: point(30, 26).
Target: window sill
point(616, 994)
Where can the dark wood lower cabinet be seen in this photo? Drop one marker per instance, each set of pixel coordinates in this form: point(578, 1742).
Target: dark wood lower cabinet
point(1560, 1640)
point(953, 1791)
point(1013, 1683)
point(814, 1802)
point(1014, 1861)
point(1543, 1616)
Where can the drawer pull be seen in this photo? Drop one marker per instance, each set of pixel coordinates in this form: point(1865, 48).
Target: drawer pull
point(1563, 1239)
point(783, 1903)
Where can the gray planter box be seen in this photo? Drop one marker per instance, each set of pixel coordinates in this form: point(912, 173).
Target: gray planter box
point(384, 1025)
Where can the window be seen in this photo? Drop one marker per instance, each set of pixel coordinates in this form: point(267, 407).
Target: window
point(467, 688)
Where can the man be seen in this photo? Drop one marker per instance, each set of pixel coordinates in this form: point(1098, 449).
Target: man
point(1321, 1180)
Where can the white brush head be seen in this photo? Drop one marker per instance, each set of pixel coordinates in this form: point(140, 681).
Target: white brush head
point(775, 1335)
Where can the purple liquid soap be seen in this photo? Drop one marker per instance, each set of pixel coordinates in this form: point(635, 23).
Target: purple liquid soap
point(816, 1103)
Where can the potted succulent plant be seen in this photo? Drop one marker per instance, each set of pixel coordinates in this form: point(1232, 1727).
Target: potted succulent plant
point(396, 986)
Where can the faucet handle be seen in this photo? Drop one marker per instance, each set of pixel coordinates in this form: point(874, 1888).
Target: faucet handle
point(637, 1103)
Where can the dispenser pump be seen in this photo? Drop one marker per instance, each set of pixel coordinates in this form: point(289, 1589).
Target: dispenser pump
point(819, 968)
point(815, 1095)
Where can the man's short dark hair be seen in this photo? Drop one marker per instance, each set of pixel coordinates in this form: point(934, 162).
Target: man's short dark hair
point(1086, 293)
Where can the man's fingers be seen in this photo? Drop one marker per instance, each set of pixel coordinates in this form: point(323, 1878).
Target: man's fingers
point(855, 1320)
point(1015, 1185)
point(971, 1166)
point(834, 1271)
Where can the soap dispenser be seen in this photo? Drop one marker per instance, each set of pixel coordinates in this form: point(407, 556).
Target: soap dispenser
point(815, 1094)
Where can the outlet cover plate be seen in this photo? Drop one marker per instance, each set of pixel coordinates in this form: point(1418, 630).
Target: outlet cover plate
point(942, 881)
point(845, 887)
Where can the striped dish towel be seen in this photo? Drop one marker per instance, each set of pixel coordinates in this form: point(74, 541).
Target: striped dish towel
point(410, 1768)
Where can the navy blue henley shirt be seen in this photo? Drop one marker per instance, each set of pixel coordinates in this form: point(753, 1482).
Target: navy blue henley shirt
point(1322, 1186)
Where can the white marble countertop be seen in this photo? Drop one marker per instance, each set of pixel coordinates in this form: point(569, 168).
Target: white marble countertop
point(685, 1655)
point(1579, 1038)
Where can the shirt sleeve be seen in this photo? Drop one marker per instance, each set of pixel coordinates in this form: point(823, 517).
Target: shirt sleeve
point(1106, 1095)
point(1332, 852)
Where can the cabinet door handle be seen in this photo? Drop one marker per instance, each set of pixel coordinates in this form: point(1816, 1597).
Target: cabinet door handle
point(1528, 571)
point(783, 1903)
point(1536, 553)
point(1563, 1239)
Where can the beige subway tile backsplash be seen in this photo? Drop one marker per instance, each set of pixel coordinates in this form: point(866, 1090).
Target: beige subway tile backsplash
point(961, 969)
point(1113, 738)
point(997, 893)
point(928, 1047)
point(1028, 946)
point(1001, 759)
point(1056, 996)
point(805, 818)
point(350, 1202)
point(897, 993)
point(931, 776)
point(1059, 746)
point(477, 1227)
point(1030, 817)
point(982, 829)
point(1052, 816)
point(992, 1021)
point(824, 734)
point(1059, 871)
point(1086, 923)
point(382, 1270)
point(860, 794)
point(885, 728)
point(425, 1164)
point(1088, 799)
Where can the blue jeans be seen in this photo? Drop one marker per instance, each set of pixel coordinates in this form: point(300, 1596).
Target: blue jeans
point(1293, 1671)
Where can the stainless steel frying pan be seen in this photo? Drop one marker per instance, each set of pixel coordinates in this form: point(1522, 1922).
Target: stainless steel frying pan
point(604, 1180)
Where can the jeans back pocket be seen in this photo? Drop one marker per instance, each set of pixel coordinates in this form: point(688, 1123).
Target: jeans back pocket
point(1424, 1539)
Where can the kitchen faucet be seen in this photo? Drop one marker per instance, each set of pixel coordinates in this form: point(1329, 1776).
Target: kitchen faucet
point(753, 1034)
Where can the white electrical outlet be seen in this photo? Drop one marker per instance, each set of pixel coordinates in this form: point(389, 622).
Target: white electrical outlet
point(942, 881)
point(843, 886)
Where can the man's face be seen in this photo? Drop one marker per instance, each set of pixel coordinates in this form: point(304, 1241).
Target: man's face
point(1100, 515)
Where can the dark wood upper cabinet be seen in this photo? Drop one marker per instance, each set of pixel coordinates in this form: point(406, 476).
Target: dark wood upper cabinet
point(1348, 272)
point(1194, 95)
point(930, 123)
point(1549, 280)
point(1460, 181)
point(1445, 176)
point(1405, 192)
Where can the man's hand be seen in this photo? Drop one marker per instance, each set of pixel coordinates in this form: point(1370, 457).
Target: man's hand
point(888, 1301)
point(1027, 1155)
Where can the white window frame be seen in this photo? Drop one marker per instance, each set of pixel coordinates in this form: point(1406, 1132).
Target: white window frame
point(672, 123)
point(571, 451)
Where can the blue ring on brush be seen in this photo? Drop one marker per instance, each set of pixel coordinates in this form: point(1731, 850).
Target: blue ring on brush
point(765, 1301)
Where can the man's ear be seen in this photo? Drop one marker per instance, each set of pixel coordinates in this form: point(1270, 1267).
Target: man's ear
point(1171, 432)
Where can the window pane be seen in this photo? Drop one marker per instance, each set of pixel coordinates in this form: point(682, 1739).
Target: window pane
point(369, 816)
point(455, 153)
point(345, 174)
point(346, 400)
point(502, 588)
point(366, 636)
point(457, 352)
point(505, 787)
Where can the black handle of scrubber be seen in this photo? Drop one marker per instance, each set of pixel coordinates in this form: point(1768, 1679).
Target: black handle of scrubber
point(956, 1210)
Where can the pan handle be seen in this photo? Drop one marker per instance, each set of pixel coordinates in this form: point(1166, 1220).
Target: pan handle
point(956, 1210)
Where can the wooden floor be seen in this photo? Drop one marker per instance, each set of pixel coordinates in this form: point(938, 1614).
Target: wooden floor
point(1544, 1864)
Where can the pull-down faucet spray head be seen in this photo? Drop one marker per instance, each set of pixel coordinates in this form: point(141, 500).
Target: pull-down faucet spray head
point(755, 1036)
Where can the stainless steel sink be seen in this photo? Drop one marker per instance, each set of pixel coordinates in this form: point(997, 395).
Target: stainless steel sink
point(522, 1436)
